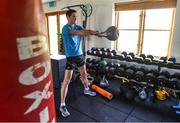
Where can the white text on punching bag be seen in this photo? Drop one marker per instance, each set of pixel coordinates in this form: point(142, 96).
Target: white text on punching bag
point(27, 78)
point(28, 46)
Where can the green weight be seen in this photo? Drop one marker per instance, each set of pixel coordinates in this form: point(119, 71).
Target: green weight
point(102, 63)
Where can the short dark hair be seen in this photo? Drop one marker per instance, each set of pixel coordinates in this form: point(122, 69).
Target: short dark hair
point(70, 12)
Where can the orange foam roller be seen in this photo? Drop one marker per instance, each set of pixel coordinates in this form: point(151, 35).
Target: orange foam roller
point(102, 92)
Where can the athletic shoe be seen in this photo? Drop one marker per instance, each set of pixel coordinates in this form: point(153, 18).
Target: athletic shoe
point(64, 111)
point(89, 92)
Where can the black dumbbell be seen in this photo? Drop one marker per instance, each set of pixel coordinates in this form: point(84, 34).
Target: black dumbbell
point(163, 59)
point(114, 52)
point(124, 53)
point(88, 60)
point(89, 52)
point(110, 55)
point(120, 56)
point(150, 77)
point(94, 49)
point(139, 75)
point(142, 55)
point(109, 50)
point(171, 61)
point(103, 49)
point(120, 70)
point(138, 59)
point(163, 78)
point(104, 54)
point(131, 54)
point(129, 72)
point(148, 61)
point(175, 81)
point(129, 58)
point(99, 53)
point(151, 57)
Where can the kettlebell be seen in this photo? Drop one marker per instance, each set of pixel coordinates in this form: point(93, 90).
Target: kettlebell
point(142, 94)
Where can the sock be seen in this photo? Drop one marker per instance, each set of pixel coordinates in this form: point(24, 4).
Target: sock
point(86, 89)
point(63, 104)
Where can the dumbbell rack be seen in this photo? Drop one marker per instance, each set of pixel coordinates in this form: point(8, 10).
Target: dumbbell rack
point(159, 65)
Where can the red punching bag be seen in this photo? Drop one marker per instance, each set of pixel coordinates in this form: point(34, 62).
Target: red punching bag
point(26, 90)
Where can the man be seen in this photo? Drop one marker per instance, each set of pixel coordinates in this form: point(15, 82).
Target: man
point(71, 34)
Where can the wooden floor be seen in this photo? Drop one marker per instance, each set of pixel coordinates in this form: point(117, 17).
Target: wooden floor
point(98, 109)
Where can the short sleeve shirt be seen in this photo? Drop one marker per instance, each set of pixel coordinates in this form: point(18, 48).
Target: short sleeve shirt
point(72, 43)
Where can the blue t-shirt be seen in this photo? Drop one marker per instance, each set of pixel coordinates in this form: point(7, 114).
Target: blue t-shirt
point(72, 43)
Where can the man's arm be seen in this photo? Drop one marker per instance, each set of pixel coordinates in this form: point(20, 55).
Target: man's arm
point(83, 32)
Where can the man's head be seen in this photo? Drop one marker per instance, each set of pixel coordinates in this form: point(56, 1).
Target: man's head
point(71, 15)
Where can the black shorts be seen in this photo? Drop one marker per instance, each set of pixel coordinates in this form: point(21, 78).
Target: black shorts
point(75, 61)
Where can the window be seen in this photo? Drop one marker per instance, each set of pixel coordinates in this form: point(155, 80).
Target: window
point(55, 22)
point(146, 27)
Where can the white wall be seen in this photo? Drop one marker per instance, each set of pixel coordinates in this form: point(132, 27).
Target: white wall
point(176, 40)
point(102, 17)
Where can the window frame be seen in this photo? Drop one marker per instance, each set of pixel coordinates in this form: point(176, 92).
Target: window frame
point(143, 5)
point(57, 13)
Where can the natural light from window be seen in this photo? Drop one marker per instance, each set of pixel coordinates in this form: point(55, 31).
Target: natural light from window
point(151, 28)
point(53, 35)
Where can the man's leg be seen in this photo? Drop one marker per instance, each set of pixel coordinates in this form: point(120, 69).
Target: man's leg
point(84, 80)
point(64, 90)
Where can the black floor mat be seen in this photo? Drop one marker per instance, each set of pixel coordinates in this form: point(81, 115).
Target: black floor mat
point(97, 110)
point(75, 116)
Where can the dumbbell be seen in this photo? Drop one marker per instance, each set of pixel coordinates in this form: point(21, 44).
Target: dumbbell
point(138, 59)
point(94, 64)
point(94, 48)
point(139, 74)
point(163, 59)
point(103, 49)
point(114, 52)
point(175, 81)
point(124, 53)
point(89, 62)
point(100, 53)
point(163, 78)
point(129, 72)
point(89, 52)
point(128, 58)
point(151, 57)
point(142, 55)
point(94, 53)
point(109, 50)
point(171, 61)
point(110, 54)
point(150, 77)
point(147, 61)
point(120, 56)
point(104, 54)
point(120, 70)
point(131, 54)
point(111, 68)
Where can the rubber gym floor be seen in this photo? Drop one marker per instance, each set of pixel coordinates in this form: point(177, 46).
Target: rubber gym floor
point(98, 109)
